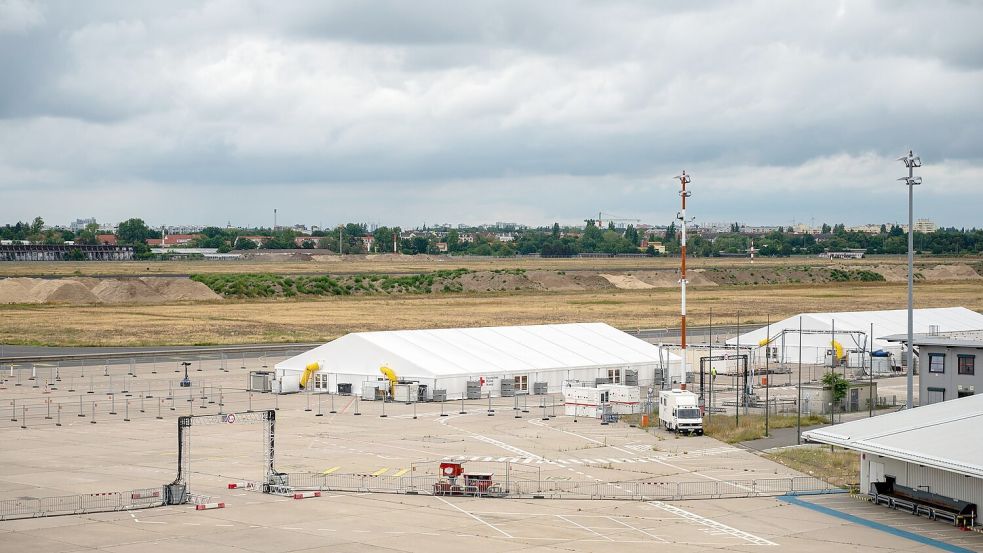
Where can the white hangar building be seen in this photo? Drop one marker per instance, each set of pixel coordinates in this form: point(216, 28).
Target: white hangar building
point(820, 329)
point(927, 460)
point(480, 360)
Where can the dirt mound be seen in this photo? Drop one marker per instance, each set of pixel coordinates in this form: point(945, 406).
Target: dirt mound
point(492, 281)
point(563, 281)
point(60, 291)
point(181, 289)
point(111, 291)
point(14, 290)
point(626, 282)
point(892, 273)
point(949, 272)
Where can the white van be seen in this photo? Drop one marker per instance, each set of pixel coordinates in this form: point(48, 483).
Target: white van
point(680, 412)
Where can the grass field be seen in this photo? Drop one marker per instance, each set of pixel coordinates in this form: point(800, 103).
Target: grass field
point(840, 466)
point(257, 321)
point(752, 427)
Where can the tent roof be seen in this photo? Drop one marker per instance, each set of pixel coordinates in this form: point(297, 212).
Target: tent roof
point(487, 350)
point(935, 435)
point(885, 323)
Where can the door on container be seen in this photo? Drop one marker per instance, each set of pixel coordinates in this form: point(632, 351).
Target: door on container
point(935, 395)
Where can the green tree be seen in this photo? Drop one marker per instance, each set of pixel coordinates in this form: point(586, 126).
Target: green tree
point(132, 231)
point(838, 386)
point(453, 241)
point(825, 229)
point(555, 233)
point(245, 244)
point(37, 225)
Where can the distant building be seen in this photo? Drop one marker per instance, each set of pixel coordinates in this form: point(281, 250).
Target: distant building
point(171, 240)
point(63, 252)
point(442, 247)
point(80, 224)
point(505, 237)
point(106, 239)
point(925, 225)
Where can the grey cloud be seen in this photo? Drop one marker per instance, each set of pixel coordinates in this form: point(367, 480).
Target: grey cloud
point(314, 98)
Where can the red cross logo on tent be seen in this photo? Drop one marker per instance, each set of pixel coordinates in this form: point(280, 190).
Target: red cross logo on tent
point(482, 380)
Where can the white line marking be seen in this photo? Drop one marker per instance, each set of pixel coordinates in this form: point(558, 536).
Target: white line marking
point(712, 525)
point(653, 536)
point(592, 531)
point(479, 519)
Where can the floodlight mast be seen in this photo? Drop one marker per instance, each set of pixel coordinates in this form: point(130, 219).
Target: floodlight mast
point(684, 179)
point(911, 161)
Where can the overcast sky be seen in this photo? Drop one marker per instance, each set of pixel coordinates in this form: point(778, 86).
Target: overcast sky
point(406, 112)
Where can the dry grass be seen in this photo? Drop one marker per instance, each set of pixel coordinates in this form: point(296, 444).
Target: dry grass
point(390, 264)
point(752, 427)
point(232, 322)
point(840, 466)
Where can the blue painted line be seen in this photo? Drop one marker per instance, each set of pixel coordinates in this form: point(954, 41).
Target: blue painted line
point(875, 525)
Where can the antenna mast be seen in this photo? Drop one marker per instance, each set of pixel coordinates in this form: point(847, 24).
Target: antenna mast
point(684, 179)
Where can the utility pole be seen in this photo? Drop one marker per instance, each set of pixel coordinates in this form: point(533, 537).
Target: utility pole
point(911, 161)
point(684, 179)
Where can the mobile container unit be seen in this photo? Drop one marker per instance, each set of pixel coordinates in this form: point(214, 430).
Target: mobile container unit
point(680, 412)
point(584, 401)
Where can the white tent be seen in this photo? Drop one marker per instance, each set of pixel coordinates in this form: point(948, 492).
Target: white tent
point(448, 359)
point(848, 325)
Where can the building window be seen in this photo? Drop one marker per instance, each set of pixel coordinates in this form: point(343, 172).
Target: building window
point(935, 395)
point(522, 383)
point(936, 362)
point(967, 364)
point(614, 376)
point(964, 393)
point(320, 381)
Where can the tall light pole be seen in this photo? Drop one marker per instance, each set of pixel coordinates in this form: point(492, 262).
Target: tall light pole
point(684, 179)
point(911, 161)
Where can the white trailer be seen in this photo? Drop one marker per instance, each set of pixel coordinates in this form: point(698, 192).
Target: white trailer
point(586, 401)
point(679, 411)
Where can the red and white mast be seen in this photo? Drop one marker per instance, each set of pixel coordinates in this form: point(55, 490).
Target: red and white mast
point(684, 179)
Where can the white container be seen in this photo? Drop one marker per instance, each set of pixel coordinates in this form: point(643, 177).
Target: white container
point(407, 393)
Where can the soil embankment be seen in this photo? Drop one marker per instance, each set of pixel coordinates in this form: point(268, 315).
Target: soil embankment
point(104, 290)
point(216, 286)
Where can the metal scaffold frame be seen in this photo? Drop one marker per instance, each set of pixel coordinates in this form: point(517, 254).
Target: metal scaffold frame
point(178, 489)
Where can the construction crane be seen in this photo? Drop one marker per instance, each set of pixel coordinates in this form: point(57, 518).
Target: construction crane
point(612, 219)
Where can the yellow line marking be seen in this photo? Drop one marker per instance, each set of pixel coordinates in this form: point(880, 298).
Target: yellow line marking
point(381, 471)
point(401, 472)
point(330, 470)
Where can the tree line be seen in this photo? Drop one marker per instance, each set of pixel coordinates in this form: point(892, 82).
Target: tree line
point(554, 241)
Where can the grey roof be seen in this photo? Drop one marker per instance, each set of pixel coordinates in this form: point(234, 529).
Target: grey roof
point(966, 338)
point(946, 435)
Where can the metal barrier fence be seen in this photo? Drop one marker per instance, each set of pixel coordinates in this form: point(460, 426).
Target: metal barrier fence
point(569, 489)
point(81, 504)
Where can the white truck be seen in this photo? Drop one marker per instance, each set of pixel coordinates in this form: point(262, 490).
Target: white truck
point(680, 412)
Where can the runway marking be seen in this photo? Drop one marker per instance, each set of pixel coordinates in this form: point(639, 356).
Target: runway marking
point(591, 530)
point(401, 472)
point(381, 471)
point(330, 470)
point(479, 519)
point(715, 528)
point(653, 536)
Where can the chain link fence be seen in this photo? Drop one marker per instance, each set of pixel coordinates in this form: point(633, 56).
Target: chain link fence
point(566, 489)
point(80, 504)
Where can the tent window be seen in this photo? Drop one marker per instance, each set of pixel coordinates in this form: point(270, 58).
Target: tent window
point(967, 364)
point(521, 383)
point(614, 376)
point(320, 381)
point(936, 362)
